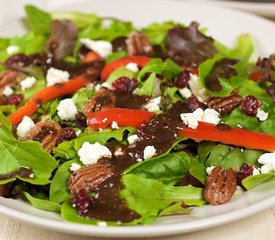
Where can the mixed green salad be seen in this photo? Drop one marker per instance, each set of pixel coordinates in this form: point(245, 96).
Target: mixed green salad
point(109, 124)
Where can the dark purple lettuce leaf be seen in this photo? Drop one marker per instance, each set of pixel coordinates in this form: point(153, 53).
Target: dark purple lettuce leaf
point(189, 47)
point(62, 40)
point(268, 66)
point(222, 69)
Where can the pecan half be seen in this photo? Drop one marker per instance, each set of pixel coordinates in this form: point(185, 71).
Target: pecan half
point(101, 100)
point(220, 186)
point(139, 44)
point(89, 177)
point(225, 104)
point(9, 78)
point(46, 132)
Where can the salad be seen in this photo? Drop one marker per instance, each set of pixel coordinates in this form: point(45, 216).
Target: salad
point(109, 124)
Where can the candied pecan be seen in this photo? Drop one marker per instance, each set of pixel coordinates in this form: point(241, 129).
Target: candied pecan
point(9, 78)
point(225, 104)
point(139, 44)
point(89, 177)
point(46, 132)
point(101, 100)
point(220, 186)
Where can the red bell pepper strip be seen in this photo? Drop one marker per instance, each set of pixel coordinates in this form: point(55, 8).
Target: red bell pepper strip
point(191, 70)
point(45, 95)
point(123, 116)
point(205, 131)
point(110, 67)
point(90, 57)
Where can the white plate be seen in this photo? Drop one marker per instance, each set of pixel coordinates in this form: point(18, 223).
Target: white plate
point(258, 7)
point(224, 25)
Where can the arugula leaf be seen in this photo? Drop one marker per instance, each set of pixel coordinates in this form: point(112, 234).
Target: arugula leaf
point(149, 201)
point(38, 20)
point(213, 154)
point(17, 154)
point(167, 169)
point(42, 203)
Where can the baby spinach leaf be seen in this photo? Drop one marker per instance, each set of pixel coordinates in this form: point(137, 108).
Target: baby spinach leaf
point(42, 203)
point(38, 20)
point(58, 189)
point(16, 154)
point(149, 201)
point(166, 169)
point(213, 154)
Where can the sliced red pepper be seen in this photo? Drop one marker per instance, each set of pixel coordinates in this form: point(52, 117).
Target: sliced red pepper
point(90, 57)
point(123, 116)
point(205, 131)
point(110, 67)
point(191, 70)
point(45, 95)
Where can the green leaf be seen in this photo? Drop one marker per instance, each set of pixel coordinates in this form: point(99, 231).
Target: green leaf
point(5, 121)
point(148, 86)
point(81, 96)
point(197, 169)
point(149, 201)
point(175, 209)
point(42, 203)
point(213, 154)
point(38, 20)
point(58, 189)
point(120, 72)
point(169, 168)
point(16, 154)
point(253, 181)
point(116, 55)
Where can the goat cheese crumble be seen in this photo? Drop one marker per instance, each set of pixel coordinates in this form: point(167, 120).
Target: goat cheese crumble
point(132, 67)
point(66, 109)
point(91, 153)
point(153, 104)
point(192, 119)
point(132, 139)
point(24, 126)
point(261, 115)
point(196, 88)
point(185, 92)
point(7, 91)
point(28, 82)
point(268, 161)
point(12, 49)
point(55, 76)
point(149, 152)
point(74, 167)
point(103, 48)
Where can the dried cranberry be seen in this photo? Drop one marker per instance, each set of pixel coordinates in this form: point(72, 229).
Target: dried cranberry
point(82, 201)
point(14, 99)
point(182, 79)
point(125, 85)
point(66, 135)
point(18, 59)
point(194, 103)
point(244, 172)
point(250, 105)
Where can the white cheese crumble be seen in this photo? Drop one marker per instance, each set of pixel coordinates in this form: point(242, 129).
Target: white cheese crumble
point(74, 167)
point(28, 82)
point(132, 67)
point(197, 89)
point(268, 161)
point(114, 125)
point(209, 169)
point(119, 152)
point(103, 85)
point(192, 119)
point(66, 109)
point(102, 224)
point(91, 153)
point(256, 171)
point(7, 91)
point(149, 152)
point(132, 139)
point(261, 115)
point(55, 76)
point(12, 49)
point(103, 48)
point(24, 126)
point(153, 104)
point(185, 92)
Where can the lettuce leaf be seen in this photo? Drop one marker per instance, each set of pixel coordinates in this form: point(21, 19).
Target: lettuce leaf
point(17, 154)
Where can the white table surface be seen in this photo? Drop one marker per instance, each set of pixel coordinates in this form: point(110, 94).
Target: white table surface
point(260, 226)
